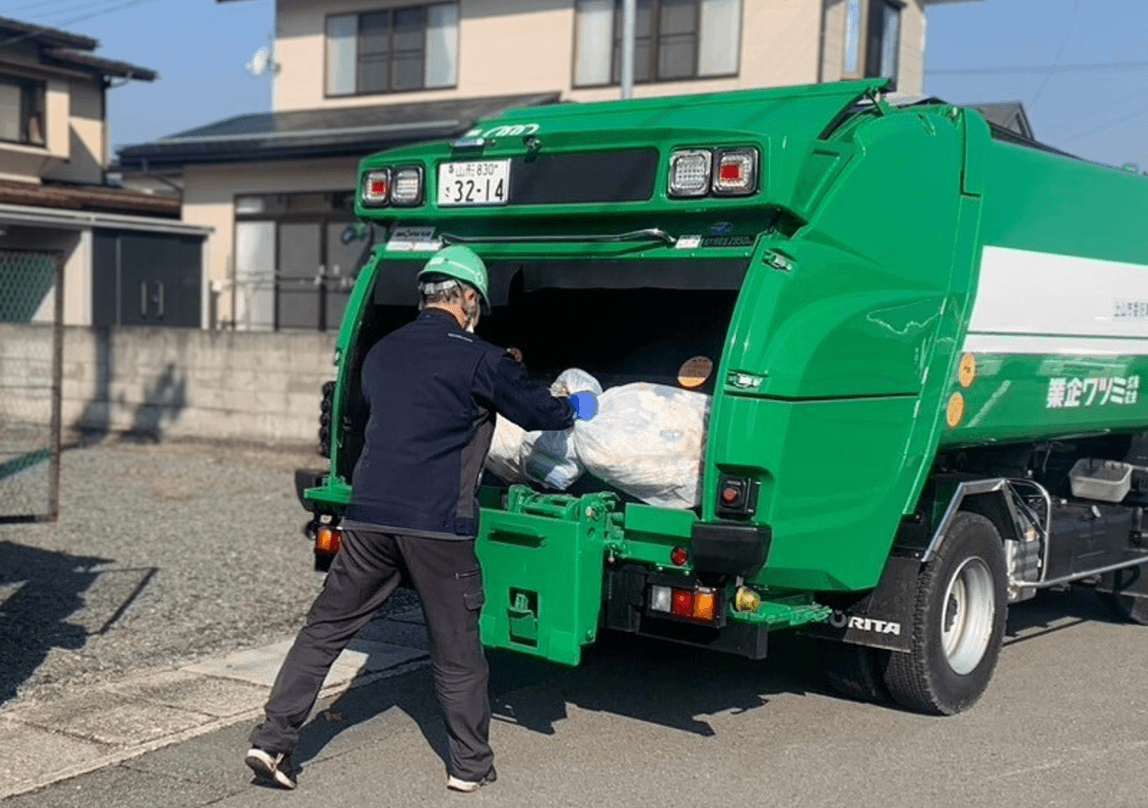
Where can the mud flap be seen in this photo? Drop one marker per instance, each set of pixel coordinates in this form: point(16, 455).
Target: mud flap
point(881, 618)
point(543, 581)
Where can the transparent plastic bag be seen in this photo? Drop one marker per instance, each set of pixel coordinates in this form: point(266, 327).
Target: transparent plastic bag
point(548, 458)
point(504, 459)
point(545, 458)
point(647, 440)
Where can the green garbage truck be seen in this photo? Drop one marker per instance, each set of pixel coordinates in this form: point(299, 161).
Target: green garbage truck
point(923, 339)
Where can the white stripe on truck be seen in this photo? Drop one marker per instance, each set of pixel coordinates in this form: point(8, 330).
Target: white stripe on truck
point(1043, 303)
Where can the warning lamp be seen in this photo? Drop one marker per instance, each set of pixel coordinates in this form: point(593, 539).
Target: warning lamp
point(328, 539)
point(683, 603)
point(690, 172)
point(376, 190)
point(679, 556)
point(699, 604)
point(736, 173)
point(407, 186)
point(704, 604)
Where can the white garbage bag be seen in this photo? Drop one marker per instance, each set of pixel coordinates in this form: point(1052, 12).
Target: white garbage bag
point(548, 458)
point(647, 440)
point(505, 456)
point(545, 458)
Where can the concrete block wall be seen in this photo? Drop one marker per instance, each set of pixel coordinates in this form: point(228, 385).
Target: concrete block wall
point(186, 383)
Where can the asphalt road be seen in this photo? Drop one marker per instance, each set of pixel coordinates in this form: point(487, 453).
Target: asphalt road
point(1065, 723)
point(163, 554)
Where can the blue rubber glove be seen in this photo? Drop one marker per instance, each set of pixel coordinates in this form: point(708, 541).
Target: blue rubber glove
point(585, 405)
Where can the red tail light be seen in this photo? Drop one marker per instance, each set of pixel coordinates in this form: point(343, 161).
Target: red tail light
point(683, 603)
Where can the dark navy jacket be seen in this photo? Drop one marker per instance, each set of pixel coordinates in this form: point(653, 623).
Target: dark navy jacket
point(433, 390)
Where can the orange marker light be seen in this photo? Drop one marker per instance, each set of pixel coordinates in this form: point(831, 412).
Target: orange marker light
point(704, 605)
point(328, 539)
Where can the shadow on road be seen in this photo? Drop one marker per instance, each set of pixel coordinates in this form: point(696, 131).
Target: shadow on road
point(39, 591)
point(1050, 612)
point(672, 686)
point(55, 600)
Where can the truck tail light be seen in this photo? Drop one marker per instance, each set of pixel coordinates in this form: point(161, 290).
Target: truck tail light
point(376, 190)
point(699, 603)
point(690, 172)
point(704, 605)
point(328, 539)
point(407, 186)
point(683, 603)
point(736, 173)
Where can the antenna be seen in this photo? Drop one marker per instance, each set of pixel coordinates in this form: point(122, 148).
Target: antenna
point(262, 61)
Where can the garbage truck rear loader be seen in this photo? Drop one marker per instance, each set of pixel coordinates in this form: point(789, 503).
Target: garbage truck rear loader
point(927, 341)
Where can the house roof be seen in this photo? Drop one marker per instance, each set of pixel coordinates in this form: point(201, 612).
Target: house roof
point(1008, 115)
point(99, 198)
point(327, 132)
point(66, 49)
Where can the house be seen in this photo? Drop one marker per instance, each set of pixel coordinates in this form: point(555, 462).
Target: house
point(54, 197)
point(356, 76)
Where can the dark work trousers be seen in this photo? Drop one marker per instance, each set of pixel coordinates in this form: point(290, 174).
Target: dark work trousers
point(448, 579)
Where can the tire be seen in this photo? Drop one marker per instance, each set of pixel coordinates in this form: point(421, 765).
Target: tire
point(958, 622)
point(857, 672)
point(1126, 608)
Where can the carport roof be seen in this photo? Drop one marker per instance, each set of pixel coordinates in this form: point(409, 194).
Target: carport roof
point(98, 198)
point(326, 132)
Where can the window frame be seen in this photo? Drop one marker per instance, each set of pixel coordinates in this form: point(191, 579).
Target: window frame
point(390, 11)
point(873, 59)
point(27, 88)
point(655, 39)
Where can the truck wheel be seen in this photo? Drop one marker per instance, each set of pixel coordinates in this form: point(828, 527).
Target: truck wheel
point(858, 672)
point(958, 622)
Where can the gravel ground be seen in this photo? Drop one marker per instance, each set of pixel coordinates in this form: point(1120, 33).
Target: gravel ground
point(163, 554)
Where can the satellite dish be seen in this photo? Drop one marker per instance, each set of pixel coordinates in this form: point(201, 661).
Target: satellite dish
point(261, 62)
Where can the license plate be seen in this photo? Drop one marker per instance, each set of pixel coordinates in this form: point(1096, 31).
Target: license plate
point(480, 182)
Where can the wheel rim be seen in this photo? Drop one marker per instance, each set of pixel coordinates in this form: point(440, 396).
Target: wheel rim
point(967, 618)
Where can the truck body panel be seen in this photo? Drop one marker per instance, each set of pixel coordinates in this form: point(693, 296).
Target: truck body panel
point(901, 296)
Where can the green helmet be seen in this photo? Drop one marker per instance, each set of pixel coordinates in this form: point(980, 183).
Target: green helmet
point(462, 264)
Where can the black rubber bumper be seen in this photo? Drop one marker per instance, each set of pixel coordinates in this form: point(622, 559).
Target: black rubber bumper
point(731, 549)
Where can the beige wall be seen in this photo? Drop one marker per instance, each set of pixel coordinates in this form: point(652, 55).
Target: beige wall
point(527, 46)
point(75, 129)
point(209, 199)
point(86, 135)
point(911, 56)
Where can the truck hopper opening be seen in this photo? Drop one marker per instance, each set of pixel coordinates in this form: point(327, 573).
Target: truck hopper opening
point(622, 320)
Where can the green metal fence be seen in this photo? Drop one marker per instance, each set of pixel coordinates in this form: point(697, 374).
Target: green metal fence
point(31, 354)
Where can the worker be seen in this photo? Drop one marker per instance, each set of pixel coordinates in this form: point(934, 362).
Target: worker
point(433, 389)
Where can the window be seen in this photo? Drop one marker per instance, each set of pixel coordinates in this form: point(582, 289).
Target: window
point(396, 50)
point(882, 41)
point(22, 111)
point(673, 40)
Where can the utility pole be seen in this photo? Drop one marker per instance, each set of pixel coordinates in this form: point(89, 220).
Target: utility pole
point(629, 18)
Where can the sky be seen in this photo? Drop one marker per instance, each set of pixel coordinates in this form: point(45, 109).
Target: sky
point(200, 47)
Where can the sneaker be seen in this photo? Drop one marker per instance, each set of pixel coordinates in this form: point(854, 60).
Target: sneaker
point(271, 768)
point(467, 786)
